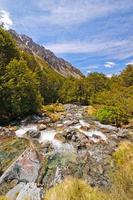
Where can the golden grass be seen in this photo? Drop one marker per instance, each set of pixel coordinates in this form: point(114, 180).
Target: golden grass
point(91, 110)
point(73, 189)
point(3, 198)
point(53, 111)
point(53, 108)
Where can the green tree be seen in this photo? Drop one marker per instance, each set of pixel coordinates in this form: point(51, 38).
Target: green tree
point(8, 50)
point(97, 81)
point(20, 90)
point(75, 91)
point(127, 76)
point(50, 83)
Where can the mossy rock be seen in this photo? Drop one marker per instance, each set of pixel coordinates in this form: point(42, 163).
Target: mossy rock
point(10, 149)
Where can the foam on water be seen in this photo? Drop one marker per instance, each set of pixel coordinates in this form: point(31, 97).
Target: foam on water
point(92, 133)
point(83, 123)
point(49, 136)
point(23, 129)
point(105, 126)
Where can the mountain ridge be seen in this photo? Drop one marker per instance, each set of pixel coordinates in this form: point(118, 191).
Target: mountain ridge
point(60, 65)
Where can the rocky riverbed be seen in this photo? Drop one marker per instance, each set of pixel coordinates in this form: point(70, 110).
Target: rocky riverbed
point(38, 153)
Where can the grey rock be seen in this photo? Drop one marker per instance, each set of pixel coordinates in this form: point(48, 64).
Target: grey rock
point(33, 134)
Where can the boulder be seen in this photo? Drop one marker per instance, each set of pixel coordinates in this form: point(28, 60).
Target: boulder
point(59, 137)
point(74, 138)
point(41, 121)
point(85, 128)
point(70, 122)
point(33, 134)
point(123, 134)
point(13, 128)
point(100, 169)
point(14, 182)
point(41, 127)
point(47, 147)
point(30, 191)
point(105, 130)
point(12, 194)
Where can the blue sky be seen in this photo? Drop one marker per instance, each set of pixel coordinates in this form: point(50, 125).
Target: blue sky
point(94, 35)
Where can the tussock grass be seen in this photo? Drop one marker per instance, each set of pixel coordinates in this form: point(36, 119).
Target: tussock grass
point(53, 108)
point(3, 198)
point(53, 111)
point(74, 189)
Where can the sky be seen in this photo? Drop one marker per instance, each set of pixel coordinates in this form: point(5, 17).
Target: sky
point(94, 35)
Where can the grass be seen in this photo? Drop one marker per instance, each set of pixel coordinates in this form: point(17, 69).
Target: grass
point(3, 198)
point(53, 108)
point(124, 154)
point(53, 111)
point(73, 189)
point(91, 111)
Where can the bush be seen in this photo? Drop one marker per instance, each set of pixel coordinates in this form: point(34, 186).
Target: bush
point(114, 115)
point(106, 115)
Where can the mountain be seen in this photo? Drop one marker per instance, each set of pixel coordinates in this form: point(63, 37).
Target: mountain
point(58, 64)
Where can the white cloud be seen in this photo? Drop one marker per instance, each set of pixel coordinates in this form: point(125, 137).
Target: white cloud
point(130, 62)
point(109, 64)
point(88, 71)
point(115, 49)
point(5, 19)
point(109, 75)
point(92, 46)
point(69, 12)
point(93, 67)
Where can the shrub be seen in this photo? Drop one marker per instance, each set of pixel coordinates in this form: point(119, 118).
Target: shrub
point(106, 115)
point(112, 115)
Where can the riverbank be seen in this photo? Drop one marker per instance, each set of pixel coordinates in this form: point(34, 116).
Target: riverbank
point(74, 145)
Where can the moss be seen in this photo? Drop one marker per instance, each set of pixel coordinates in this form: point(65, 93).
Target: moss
point(10, 149)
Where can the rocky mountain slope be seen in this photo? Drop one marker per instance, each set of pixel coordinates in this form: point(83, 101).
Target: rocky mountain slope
point(58, 64)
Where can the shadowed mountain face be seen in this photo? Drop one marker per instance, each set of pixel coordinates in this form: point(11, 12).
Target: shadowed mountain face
point(58, 64)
